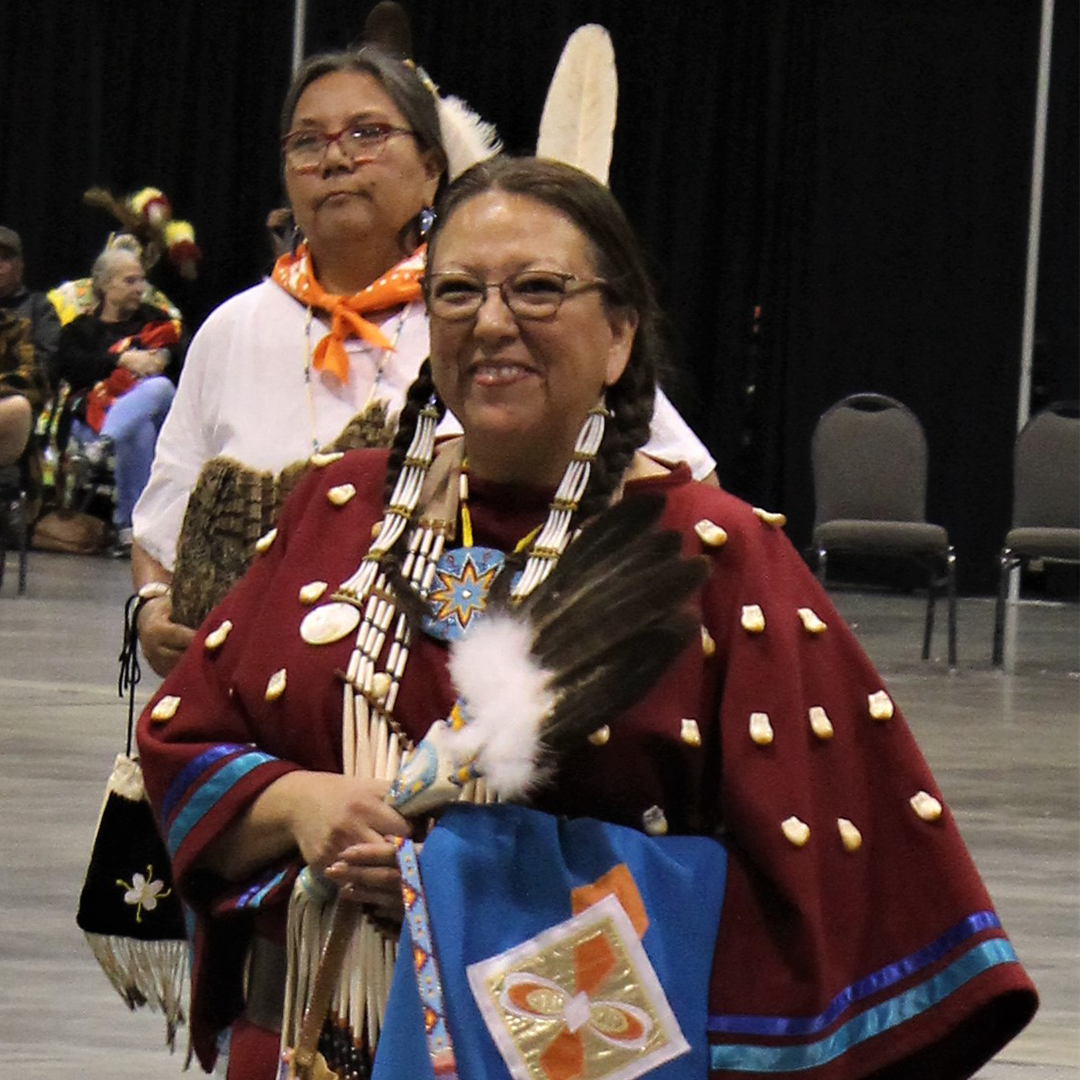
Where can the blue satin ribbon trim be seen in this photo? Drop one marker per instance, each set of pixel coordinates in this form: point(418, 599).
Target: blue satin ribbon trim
point(875, 1021)
point(207, 797)
point(880, 980)
point(254, 896)
point(186, 776)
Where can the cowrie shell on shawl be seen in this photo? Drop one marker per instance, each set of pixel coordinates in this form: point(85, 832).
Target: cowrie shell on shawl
point(275, 686)
point(312, 591)
point(216, 638)
point(263, 543)
point(710, 533)
point(926, 806)
point(165, 709)
point(341, 494)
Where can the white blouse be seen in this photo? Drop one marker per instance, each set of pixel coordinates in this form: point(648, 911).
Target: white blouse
point(243, 394)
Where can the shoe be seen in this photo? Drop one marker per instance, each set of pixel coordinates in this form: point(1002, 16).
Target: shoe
point(121, 546)
point(99, 451)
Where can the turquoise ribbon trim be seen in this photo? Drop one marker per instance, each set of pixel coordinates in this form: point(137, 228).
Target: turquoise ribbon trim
point(207, 797)
point(881, 1018)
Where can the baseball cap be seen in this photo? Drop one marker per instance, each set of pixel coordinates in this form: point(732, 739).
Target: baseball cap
point(10, 240)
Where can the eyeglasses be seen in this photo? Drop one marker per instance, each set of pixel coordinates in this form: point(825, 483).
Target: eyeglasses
point(305, 150)
point(531, 294)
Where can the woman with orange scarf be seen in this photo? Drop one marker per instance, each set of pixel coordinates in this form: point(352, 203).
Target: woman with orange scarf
point(325, 348)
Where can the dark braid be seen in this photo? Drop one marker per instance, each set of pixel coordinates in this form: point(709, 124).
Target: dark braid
point(631, 402)
point(417, 396)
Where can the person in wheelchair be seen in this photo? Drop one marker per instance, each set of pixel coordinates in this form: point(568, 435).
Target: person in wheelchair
point(121, 361)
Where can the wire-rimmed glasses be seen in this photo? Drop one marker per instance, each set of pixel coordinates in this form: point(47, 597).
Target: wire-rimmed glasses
point(529, 294)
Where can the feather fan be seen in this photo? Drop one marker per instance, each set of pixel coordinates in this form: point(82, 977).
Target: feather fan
point(593, 639)
point(577, 126)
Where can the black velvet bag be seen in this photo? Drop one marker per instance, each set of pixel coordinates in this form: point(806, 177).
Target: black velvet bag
point(128, 909)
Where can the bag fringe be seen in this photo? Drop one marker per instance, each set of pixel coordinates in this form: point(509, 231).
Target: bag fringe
point(146, 973)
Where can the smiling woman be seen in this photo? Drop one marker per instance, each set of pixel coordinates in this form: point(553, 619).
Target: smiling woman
point(522, 383)
point(672, 762)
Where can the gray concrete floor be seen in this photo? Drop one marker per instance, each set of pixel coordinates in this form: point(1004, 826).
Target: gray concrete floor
point(1004, 748)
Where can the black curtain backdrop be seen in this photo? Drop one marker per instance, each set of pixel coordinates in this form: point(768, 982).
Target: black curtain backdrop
point(855, 172)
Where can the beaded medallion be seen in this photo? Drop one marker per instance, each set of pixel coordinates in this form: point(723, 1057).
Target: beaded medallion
point(459, 592)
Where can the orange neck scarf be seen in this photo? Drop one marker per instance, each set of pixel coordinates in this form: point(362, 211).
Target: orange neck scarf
point(400, 285)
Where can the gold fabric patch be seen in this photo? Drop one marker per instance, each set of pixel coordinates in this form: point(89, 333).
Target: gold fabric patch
point(600, 736)
point(321, 460)
point(580, 1000)
point(708, 646)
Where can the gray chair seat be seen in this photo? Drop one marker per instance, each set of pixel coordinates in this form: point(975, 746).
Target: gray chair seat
point(882, 537)
point(1044, 543)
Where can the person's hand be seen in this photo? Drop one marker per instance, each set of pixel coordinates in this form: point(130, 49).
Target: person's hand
point(163, 641)
point(340, 825)
point(144, 362)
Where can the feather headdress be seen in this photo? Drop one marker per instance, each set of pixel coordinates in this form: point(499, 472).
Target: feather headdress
point(577, 126)
point(467, 138)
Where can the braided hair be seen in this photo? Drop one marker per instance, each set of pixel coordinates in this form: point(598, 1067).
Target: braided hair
point(619, 260)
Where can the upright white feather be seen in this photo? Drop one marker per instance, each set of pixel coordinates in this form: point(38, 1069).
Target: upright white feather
point(506, 698)
point(466, 137)
point(578, 123)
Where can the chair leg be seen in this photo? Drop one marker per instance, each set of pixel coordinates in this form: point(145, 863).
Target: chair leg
point(931, 598)
point(1006, 561)
point(23, 531)
point(950, 570)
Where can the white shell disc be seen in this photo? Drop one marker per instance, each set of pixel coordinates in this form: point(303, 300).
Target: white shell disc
point(329, 623)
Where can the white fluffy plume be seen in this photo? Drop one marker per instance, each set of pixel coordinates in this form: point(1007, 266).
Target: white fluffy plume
point(466, 137)
point(578, 123)
point(507, 698)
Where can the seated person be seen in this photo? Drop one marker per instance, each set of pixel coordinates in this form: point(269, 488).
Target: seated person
point(17, 299)
point(23, 386)
point(121, 361)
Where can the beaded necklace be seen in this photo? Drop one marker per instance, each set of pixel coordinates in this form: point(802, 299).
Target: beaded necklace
point(373, 743)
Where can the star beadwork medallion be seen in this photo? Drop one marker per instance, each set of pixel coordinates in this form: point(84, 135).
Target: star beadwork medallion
point(459, 593)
